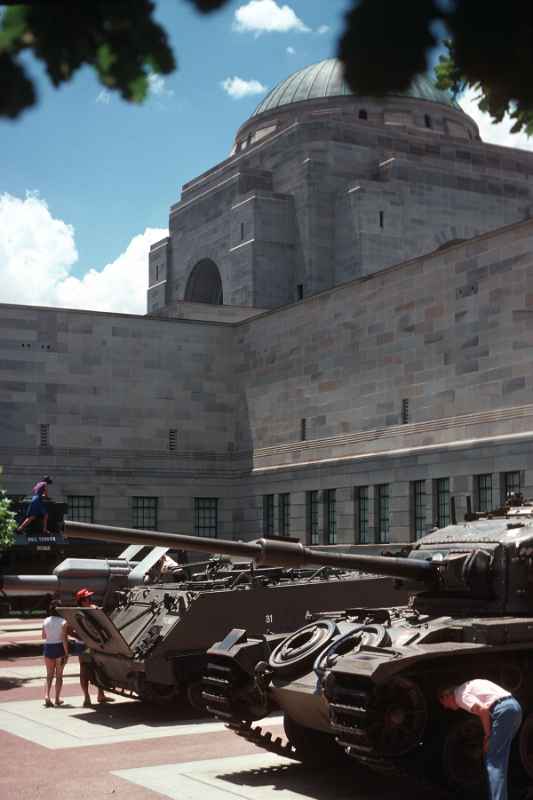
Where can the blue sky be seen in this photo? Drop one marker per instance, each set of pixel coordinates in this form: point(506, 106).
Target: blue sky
point(103, 173)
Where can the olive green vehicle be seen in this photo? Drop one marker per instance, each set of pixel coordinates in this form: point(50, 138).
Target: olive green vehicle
point(364, 682)
point(151, 640)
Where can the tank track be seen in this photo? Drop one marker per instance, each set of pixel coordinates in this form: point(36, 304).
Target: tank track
point(219, 689)
point(348, 714)
point(349, 718)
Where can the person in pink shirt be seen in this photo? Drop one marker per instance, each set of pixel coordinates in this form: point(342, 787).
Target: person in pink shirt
point(500, 715)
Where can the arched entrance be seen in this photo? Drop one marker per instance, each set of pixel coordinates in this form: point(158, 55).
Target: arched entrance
point(204, 284)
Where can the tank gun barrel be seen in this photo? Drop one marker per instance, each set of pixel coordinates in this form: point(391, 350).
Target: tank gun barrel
point(28, 585)
point(264, 552)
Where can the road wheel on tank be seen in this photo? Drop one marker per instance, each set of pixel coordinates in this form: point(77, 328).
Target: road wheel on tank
point(313, 747)
point(463, 768)
point(296, 654)
point(194, 696)
point(160, 694)
point(397, 717)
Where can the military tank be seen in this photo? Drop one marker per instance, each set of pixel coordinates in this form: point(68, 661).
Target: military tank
point(152, 644)
point(365, 681)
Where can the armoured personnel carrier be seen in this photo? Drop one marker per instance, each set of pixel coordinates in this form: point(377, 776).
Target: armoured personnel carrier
point(152, 644)
point(366, 681)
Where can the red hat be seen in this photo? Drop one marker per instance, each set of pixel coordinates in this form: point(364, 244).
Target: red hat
point(81, 594)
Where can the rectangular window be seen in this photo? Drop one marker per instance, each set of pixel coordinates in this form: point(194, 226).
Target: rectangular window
point(44, 435)
point(206, 516)
point(442, 493)
point(381, 218)
point(172, 438)
point(419, 508)
point(363, 532)
point(382, 513)
point(483, 488)
point(242, 231)
point(300, 291)
point(80, 507)
point(303, 429)
point(157, 272)
point(510, 482)
point(284, 514)
point(312, 516)
point(330, 515)
point(144, 512)
point(268, 514)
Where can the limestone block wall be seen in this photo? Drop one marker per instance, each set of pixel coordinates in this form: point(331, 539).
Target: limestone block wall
point(112, 382)
point(449, 333)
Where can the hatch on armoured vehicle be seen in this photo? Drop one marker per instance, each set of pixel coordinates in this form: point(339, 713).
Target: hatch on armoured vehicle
point(97, 630)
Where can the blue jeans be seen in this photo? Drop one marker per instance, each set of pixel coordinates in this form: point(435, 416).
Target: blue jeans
point(506, 717)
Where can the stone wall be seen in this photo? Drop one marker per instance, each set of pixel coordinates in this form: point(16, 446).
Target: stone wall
point(328, 198)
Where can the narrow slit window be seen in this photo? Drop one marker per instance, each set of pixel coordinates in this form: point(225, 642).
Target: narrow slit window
point(300, 291)
point(381, 218)
point(284, 514)
point(363, 532)
point(268, 514)
point(312, 516)
point(405, 411)
point(303, 429)
point(427, 120)
point(44, 435)
point(172, 438)
point(242, 231)
point(330, 516)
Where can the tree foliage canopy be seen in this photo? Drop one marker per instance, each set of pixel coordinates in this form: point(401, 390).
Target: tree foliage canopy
point(490, 49)
point(7, 521)
point(384, 45)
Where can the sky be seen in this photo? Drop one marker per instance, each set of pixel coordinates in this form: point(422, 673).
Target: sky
point(87, 180)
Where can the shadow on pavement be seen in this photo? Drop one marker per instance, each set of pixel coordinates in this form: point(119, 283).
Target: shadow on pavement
point(123, 715)
point(344, 783)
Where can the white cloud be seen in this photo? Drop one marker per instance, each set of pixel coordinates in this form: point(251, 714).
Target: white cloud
point(104, 97)
point(37, 253)
point(291, 51)
point(499, 133)
point(238, 87)
point(323, 29)
point(157, 86)
point(266, 16)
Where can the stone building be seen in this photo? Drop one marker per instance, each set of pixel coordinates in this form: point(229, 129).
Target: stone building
point(338, 336)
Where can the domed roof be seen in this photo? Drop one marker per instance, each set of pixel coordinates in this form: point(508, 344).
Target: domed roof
point(326, 79)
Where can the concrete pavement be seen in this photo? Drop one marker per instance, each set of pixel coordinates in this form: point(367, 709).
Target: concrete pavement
point(127, 750)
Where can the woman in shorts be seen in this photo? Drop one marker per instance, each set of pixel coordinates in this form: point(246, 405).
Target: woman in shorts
point(55, 653)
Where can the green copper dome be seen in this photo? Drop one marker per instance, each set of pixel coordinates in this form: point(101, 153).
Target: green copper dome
point(326, 79)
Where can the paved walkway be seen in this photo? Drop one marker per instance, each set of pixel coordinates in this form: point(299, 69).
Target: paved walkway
point(127, 750)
